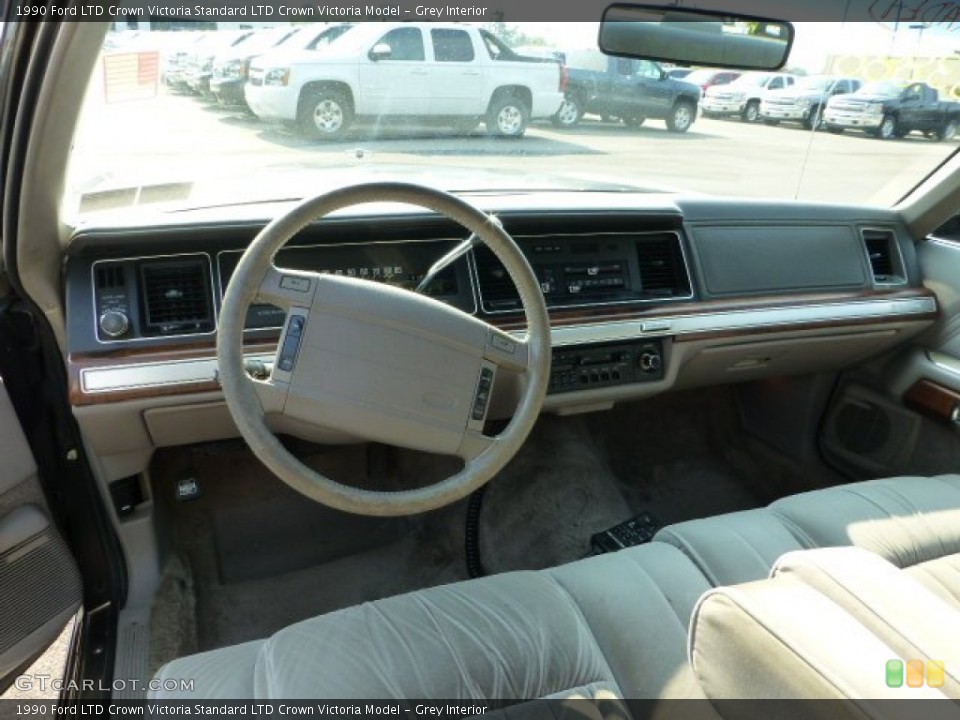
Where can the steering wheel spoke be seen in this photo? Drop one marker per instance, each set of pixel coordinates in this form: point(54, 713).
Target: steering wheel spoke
point(272, 395)
point(285, 288)
point(506, 351)
point(475, 444)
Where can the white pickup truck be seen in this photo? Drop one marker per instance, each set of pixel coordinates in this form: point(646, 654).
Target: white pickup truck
point(433, 71)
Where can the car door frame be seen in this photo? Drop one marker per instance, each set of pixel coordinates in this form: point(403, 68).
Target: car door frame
point(911, 111)
point(466, 76)
point(28, 350)
point(655, 92)
point(406, 75)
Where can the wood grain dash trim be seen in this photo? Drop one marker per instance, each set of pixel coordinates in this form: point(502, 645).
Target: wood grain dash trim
point(935, 401)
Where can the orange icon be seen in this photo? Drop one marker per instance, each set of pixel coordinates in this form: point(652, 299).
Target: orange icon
point(915, 673)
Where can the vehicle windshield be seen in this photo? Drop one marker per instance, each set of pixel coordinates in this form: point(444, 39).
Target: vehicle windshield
point(814, 83)
point(476, 107)
point(752, 79)
point(700, 76)
point(265, 39)
point(882, 89)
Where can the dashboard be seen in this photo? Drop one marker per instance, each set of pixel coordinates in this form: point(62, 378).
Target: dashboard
point(646, 293)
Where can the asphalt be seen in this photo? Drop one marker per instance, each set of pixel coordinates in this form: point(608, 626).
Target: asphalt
point(174, 138)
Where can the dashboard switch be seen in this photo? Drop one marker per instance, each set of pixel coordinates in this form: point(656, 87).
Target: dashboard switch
point(651, 362)
point(114, 323)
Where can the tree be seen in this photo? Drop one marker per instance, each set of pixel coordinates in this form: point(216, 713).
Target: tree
point(512, 35)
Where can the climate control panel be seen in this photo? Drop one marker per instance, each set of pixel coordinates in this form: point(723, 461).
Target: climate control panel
point(591, 366)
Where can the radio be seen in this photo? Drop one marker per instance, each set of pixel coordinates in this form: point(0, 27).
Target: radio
point(592, 366)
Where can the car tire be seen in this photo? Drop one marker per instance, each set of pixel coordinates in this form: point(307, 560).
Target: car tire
point(325, 114)
point(570, 112)
point(888, 128)
point(751, 113)
point(948, 131)
point(634, 121)
point(681, 117)
point(508, 117)
point(814, 119)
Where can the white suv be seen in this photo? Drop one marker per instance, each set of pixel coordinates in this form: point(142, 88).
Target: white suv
point(743, 96)
point(425, 70)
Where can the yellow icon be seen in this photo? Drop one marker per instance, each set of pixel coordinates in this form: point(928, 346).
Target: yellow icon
point(935, 673)
point(915, 673)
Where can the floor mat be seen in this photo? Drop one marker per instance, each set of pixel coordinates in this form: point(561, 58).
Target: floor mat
point(289, 533)
point(682, 456)
point(256, 556)
point(542, 509)
point(254, 609)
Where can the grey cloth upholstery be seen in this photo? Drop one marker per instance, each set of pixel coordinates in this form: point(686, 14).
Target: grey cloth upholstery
point(227, 673)
point(888, 602)
point(602, 628)
point(733, 548)
point(754, 641)
point(940, 576)
point(908, 521)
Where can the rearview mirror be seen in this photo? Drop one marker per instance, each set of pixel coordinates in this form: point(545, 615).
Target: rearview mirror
point(695, 37)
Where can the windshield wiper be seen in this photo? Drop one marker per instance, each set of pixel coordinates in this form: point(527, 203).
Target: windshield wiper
point(451, 257)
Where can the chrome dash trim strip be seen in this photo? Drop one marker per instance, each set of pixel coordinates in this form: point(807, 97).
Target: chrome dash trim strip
point(138, 376)
point(119, 378)
point(734, 320)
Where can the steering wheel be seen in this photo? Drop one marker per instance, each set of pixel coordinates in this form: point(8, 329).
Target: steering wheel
point(381, 363)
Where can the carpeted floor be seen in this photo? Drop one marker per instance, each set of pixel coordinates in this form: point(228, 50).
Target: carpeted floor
point(250, 556)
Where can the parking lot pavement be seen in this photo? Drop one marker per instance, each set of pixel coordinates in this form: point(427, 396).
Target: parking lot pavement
point(181, 138)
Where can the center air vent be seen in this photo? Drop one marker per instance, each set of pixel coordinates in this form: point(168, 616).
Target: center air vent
point(176, 296)
point(881, 247)
point(109, 276)
point(662, 270)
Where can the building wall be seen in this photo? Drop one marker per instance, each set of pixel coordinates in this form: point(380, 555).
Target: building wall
point(942, 73)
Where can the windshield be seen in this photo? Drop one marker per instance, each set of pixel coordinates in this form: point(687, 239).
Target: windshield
point(492, 107)
point(700, 76)
point(265, 39)
point(882, 89)
point(752, 79)
point(814, 84)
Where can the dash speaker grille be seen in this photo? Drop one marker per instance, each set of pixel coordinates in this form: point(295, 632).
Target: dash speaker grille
point(863, 428)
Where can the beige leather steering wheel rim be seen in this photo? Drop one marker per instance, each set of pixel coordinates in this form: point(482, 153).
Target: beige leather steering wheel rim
point(246, 398)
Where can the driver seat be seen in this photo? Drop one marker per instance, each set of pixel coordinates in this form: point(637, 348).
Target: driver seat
point(608, 627)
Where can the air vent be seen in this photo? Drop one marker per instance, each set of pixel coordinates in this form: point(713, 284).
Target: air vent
point(662, 270)
point(176, 296)
point(496, 287)
point(881, 247)
point(110, 277)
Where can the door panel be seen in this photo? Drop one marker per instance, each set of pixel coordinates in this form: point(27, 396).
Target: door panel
point(656, 93)
point(399, 83)
point(901, 414)
point(456, 75)
point(40, 587)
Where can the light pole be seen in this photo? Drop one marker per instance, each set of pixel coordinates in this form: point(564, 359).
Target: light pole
point(921, 27)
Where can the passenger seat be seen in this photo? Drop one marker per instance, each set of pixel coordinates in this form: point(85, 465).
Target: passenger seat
point(912, 522)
